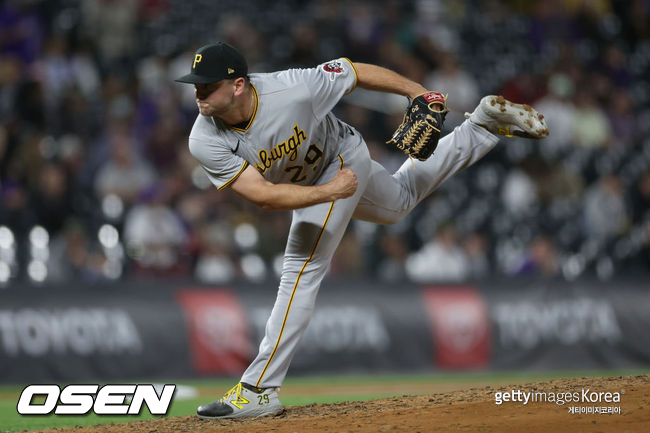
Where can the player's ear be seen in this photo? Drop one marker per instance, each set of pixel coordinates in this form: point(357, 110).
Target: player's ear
point(239, 85)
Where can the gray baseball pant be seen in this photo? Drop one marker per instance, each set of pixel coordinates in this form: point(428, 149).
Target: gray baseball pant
point(316, 231)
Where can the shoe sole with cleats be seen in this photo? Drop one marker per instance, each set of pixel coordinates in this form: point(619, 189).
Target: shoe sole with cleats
point(248, 415)
point(513, 120)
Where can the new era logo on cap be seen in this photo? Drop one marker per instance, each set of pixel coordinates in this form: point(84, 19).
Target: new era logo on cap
point(215, 62)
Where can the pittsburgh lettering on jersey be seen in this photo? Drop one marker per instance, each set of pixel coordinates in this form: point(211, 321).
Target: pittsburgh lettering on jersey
point(288, 147)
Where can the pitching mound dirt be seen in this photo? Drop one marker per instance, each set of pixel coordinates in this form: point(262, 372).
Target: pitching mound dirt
point(472, 410)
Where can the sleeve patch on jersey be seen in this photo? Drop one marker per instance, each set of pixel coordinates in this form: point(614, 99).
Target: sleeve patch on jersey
point(335, 67)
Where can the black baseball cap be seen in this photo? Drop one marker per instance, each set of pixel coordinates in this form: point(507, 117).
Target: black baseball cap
point(215, 62)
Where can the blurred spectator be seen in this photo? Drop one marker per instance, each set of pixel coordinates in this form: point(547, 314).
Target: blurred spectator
point(348, 259)
point(162, 147)
point(605, 212)
point(362, 30)
point(519, 193)
point(559, 113)
point(548, 25)
point(75, 115)
point(434, 23)
point(86, 71)
point(392, 267)
point(73, 257)
point(4, 151)
point(541, 259)
point(462, 88)
point(178, 67)
point(273, 238)
point(635, 26)
point(21, 29)
point(641, 199)
point(360, 117)
point(557, 181)
point(643, 258)
point(215, 264)
point(152, 75)
point(476, 251)
point(112, 25)
point(72, 83)
point(10, 79)
point(52, 200)
point(441, 259)
point(56, 69)
point(591, 127)
point(615, 66)
point(124, 174)
point(304, 51)
point(622, 120)
point(14, 209)
point(155, 236)
point(524, 88)
point(29, 105)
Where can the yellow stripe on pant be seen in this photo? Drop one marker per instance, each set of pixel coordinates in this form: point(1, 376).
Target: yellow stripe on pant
point(293, 292)
point(295, 287)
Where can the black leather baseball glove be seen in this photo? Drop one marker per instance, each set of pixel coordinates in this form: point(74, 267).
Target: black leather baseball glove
point(419, 132)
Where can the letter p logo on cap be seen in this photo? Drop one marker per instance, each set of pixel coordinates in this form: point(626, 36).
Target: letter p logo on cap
point(197, 59)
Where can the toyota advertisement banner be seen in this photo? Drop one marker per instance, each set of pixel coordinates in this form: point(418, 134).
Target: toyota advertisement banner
point(159, 331)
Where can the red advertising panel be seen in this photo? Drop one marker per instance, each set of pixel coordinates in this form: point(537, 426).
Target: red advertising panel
point(219, 337)
point(460, 326)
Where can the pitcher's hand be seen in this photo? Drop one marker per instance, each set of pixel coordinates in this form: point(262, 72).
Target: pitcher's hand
point(344, 184)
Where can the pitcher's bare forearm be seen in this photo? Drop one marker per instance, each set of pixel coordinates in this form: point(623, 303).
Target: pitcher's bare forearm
point(284, 196)
point(373, 77)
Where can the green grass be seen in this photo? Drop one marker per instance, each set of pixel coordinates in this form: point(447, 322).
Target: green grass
point(10, 420)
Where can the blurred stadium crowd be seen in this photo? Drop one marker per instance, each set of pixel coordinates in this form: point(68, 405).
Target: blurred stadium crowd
point(97, 182)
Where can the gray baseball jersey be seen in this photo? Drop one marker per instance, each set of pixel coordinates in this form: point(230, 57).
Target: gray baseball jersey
point(293, 137)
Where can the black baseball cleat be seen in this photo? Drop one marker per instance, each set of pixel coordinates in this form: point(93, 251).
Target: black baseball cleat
point(243, 401)
point(502, 117)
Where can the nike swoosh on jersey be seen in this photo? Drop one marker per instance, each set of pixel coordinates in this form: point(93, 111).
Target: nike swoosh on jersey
point(236, 147)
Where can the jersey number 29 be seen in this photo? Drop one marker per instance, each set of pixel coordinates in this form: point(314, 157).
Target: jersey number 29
point(312, 156)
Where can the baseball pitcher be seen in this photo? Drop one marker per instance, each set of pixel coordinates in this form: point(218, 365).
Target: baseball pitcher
point(272, 139)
